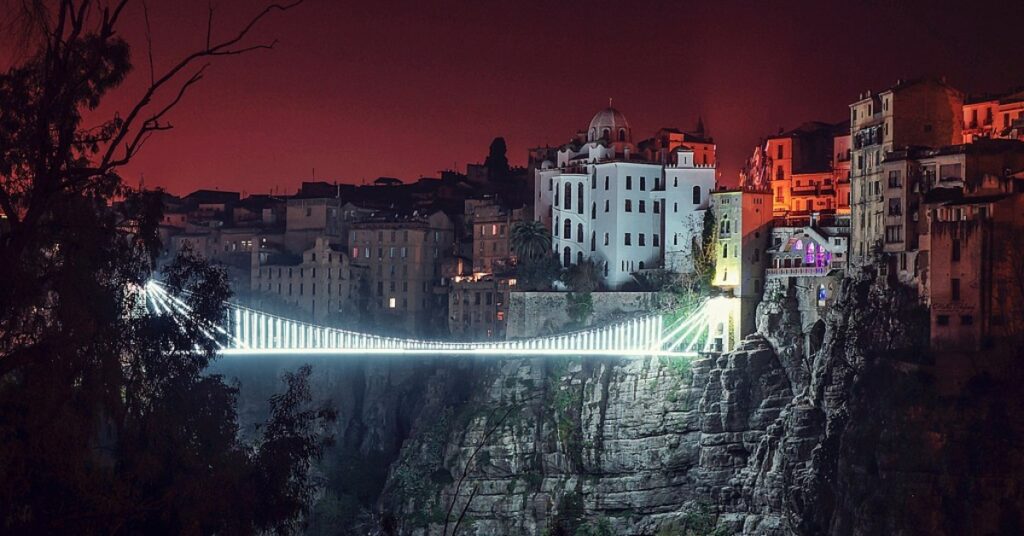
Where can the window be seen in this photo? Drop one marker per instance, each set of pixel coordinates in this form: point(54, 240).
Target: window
point(966, 320)
point(593, 182)
point(629, 205)
point(657, 241)
point(696, 195)
point(566, 257)
point(629, 182)
point(675, 207)
point(779, 174)
point(643, 206)
point(392, 303)
point(579, 233)
point(593, 240)
point(556, 227)
point(568, 197)
point(606, 183)
point(622, 134)
point(643, 184)
point(607, 205)
point(606, 239)
point(956, 249)
point(593, 211)
point(894, 179)
point(725, 251)
point(954, 288)
point(627, 240)
point(942, 320)
point(567, 230)
point(579, 198)
point(640, 240)
point(779, 153)
point(657, 207)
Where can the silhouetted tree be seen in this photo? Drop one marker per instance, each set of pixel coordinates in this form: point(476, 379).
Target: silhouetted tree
point(107, 424)
point(530, 240)
point(497, 161)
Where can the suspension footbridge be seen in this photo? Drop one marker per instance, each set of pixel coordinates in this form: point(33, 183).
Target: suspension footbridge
point(247, 331)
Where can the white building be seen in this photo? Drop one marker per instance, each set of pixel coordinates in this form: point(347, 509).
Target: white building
point(603, 200)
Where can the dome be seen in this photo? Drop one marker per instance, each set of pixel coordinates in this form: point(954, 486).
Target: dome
point(609, 124)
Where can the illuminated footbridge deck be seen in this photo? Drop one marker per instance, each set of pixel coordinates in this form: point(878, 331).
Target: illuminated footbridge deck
point(247, 331)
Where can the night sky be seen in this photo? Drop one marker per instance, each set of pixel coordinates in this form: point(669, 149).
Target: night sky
point(358, 90)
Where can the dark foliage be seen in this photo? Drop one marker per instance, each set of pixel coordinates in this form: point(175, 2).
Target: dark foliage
point(107, 424)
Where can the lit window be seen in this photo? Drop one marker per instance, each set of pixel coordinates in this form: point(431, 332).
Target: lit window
point(391, 303)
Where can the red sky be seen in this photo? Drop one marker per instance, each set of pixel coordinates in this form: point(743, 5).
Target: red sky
point(358, 90)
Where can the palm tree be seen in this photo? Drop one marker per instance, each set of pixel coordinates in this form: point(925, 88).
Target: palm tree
point(530, 239)
point(584, 276)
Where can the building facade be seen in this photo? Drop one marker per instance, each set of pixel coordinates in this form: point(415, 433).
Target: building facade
point(318, 284)
point(604, 201)
point(923, 113)
point(397, 262)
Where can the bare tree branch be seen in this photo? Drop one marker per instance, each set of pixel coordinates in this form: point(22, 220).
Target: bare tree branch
point(220, 49)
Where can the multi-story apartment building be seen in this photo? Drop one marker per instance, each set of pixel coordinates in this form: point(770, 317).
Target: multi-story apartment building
point(975, 270)
point(744, 228)
point(478, 307)
point(318, 283)
point(307, 218)
point(993, 117)
point(396, 263)
point(910, 174)
point(923, 112)
point(490, 224)
point(603, 200)
point(809, 169)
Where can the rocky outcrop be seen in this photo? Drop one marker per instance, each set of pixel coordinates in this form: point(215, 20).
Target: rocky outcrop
point(634, 445)
point(830, 427)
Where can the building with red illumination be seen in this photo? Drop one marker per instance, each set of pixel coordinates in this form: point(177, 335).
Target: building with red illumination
point(993, 117)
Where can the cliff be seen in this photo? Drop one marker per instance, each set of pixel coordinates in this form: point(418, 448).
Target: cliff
point(830, 420)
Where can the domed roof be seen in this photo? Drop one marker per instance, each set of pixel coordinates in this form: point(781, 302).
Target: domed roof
point(611, 120)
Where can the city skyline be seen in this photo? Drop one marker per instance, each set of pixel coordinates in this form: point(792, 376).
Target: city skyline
point(406, 99)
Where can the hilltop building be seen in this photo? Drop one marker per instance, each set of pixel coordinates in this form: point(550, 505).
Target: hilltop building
point(626, 207)
point(925, 113)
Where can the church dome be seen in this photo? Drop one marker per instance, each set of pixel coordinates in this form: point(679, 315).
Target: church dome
point(610, 125)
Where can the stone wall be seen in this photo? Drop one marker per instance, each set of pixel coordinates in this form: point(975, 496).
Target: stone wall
point(533, 314)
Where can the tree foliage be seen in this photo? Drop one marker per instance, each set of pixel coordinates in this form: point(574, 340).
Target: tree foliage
point(585, 276)
point(107, 423)
point(530, 240)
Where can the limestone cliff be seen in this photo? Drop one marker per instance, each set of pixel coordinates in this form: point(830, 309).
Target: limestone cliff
point(831, 420)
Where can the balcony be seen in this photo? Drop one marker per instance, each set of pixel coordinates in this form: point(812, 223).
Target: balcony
point(803, 271)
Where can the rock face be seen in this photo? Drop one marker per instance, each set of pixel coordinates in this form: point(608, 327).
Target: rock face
point(833, 425)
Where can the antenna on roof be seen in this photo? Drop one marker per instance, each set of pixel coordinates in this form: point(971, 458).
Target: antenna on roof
point(609, 102)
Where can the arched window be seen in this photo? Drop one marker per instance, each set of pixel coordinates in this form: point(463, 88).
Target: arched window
point(593, 182)
point(675, 182)
point(622, 134)
point(606, 183)
point(579, 257)
point(675, 239)
point(579, 233)
point(579, 198)
point(696, 195)
point(568, 197)
point(605, 135)
point(593, 133)
point(566, 257)
point(593, 211)
point(567, 230)
point(556, 198)
point(593, 240)
point(556, 227)
point(641, 265)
